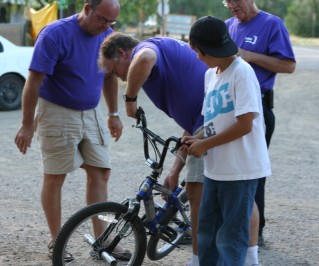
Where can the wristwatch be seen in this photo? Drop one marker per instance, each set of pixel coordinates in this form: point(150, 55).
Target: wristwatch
point(114, 114)
point(129, 99)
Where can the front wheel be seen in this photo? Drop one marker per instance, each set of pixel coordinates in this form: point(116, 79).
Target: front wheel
point(157, 248)
point(77, 236)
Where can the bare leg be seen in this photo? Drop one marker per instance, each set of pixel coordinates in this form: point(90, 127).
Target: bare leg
point(194, 192)
point(254, 226)
point(51, 202)
point(96, 190)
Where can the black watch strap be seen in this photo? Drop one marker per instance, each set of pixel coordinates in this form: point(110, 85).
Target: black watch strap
point(129, 99)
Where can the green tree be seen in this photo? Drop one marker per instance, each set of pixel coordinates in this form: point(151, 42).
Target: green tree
point(199, 8)
point(278, 7)
point(134, 12)
point(303, 19)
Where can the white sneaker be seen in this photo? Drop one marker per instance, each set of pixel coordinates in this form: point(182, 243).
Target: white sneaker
point(190, 263)
point(193, 261)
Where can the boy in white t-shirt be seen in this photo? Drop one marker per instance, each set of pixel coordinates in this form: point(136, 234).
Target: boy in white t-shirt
point(233, 141)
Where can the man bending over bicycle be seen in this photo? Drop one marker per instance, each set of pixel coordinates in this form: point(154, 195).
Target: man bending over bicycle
point(173, 78)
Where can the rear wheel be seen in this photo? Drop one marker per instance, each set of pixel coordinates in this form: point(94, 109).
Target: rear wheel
point(158, 248)
point(77, 236)
point(11, 87)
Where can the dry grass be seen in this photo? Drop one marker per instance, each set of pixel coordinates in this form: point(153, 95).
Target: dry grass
point(304, 41)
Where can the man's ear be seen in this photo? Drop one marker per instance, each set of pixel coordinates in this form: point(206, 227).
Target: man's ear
point(122, 53)
point(87, 8)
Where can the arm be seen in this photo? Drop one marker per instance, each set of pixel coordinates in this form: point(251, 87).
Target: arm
point(270, 63)
point(138, 72)
point(171, 180)
point(240, 128)
point(110, 92)
point(29, 101)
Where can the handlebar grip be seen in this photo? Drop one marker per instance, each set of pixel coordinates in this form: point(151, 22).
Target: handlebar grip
point(177, 146)
point(140, 117)
point(139, 112)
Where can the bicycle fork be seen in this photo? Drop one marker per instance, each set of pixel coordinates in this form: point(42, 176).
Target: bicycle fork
point(105, 252)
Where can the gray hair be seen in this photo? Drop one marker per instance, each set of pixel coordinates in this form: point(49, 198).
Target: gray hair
point(112, 43)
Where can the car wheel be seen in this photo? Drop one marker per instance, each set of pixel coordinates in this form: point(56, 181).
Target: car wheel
point(11, 87)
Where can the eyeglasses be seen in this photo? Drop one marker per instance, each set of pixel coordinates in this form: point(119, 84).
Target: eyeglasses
point(103, 20)
point(227, 2)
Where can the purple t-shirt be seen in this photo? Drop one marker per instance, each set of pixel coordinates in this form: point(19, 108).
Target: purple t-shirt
point(176, 82)
point(68, 56)
point(264, 34)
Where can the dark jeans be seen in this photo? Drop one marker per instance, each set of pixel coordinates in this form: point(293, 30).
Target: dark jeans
point(223, 222)
point(269, 118)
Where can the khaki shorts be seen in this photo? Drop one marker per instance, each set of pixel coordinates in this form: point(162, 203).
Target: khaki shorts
point(68, 138)
point(194, 169)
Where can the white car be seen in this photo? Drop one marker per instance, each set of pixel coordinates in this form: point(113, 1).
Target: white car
point(14, 64)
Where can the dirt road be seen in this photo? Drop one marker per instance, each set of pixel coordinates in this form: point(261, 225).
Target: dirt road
point(292, 197)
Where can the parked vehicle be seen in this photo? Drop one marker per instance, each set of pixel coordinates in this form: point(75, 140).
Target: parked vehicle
point(14, 64)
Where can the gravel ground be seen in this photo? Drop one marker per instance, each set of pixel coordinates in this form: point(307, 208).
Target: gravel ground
point(291, 233)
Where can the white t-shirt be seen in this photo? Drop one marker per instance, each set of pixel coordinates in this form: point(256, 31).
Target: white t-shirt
point(229, 94)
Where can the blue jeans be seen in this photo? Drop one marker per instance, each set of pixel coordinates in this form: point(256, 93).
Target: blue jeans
point(224, 216)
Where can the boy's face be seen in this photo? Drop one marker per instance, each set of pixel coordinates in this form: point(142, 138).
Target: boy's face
point(210, 61)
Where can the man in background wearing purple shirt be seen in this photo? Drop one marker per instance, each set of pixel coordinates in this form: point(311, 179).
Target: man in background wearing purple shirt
point(263, 41)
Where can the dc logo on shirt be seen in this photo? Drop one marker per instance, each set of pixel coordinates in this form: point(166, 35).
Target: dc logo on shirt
point(217, 102)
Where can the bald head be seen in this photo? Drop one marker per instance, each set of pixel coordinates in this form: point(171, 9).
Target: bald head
point(110, 3)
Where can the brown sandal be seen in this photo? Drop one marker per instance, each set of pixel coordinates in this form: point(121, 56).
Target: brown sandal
point(67, 256)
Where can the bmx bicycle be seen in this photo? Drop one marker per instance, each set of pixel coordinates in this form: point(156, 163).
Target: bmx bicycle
point(123, 225)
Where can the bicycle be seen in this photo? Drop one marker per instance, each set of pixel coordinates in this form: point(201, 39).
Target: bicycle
point(121, 224)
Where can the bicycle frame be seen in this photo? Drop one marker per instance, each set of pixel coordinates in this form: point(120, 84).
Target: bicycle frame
point(145, 193)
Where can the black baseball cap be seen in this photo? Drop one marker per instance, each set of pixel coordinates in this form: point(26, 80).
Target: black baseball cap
point(211, 35)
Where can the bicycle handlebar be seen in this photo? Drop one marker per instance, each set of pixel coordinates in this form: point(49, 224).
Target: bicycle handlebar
point(142, 125)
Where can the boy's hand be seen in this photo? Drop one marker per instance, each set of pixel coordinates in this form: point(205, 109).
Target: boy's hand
point(194, 147)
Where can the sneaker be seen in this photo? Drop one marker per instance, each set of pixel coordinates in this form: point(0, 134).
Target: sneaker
point(193, 261)
point(67, 256)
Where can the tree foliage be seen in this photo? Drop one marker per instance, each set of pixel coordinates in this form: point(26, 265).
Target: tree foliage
point(136, 11)
point(300, 16)
point(200, 8)
point(277, 7)
point(303, 18)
